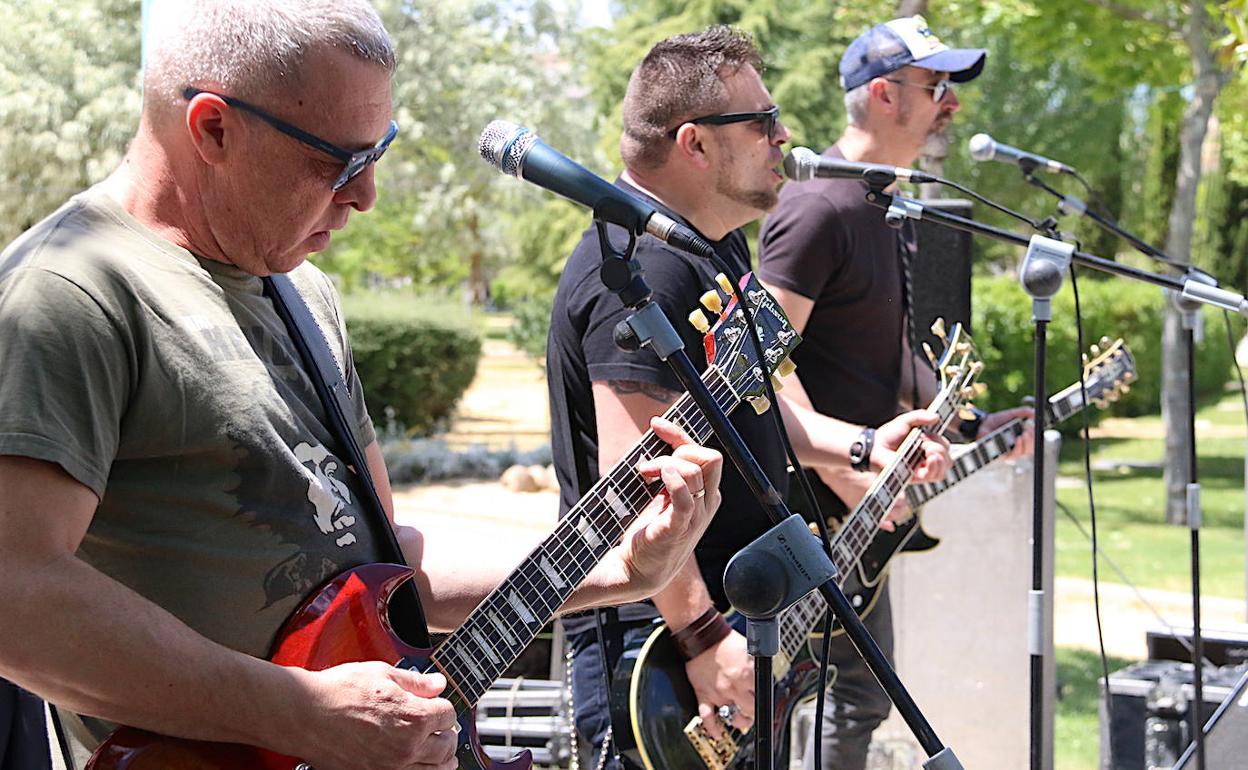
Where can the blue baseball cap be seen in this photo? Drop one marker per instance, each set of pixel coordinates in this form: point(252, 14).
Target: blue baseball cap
point(905, 42)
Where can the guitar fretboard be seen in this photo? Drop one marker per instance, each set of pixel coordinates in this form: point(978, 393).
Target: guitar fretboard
point(1061, 406)
point(500, 628)
point(860, 526)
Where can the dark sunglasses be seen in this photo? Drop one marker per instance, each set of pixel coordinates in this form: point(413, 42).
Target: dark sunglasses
point(767, 120)
point(353, 162)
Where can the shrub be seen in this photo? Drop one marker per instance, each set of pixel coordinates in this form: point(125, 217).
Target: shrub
point(532, 325)
point(1003, 332)
point(415, 355)
point(409, 461)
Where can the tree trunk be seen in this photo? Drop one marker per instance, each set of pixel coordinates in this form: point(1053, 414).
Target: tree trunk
point(478, 282)
point(1174, 374)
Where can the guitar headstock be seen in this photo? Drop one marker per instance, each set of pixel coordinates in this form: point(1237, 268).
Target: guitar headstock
point(728, 345)
point(957, 366)
point(1109, 372)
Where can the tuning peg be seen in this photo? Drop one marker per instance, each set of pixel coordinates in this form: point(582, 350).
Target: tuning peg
point(786, 367)
point(712, 302)
point(698, 321)
point(1084, 357)
point(966, 413)
point(760, 403)
point(1105, 342)
point(776, 384)
point(938, 328)
point(977, 367)
point(1096, 350)
point(963, 348)
point(968, 393)
point(1125, 388)
point(724, 283)
point(931, 354)
point(980, 389)
point(1100, 403)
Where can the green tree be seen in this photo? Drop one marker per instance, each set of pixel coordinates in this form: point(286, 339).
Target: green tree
point(69, 100)
point(447, 218)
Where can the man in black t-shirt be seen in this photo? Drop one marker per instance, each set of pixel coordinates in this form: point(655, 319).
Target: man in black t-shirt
point(701, 142)
point(839, 272)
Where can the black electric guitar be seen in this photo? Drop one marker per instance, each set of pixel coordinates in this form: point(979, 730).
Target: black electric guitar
point(1106, 377)
point(654, 712)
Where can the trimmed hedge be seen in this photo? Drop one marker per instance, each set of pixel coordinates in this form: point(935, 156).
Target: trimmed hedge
point(1003, 332)
point(415, 355)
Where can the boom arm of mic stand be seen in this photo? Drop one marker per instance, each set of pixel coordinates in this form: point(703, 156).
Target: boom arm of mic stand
point(650, 324)
point(1188, 287)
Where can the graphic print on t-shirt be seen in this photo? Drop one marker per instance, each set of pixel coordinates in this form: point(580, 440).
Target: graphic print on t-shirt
point(328, 495)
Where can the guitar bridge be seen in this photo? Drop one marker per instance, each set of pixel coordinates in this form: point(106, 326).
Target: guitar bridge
point(717, 754)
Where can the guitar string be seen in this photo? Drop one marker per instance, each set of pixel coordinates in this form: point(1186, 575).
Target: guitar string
point(632, 490)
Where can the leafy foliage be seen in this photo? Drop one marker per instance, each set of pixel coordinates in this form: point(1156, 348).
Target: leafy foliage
point(69, 100)
point(415, 355)
point(1003, 334)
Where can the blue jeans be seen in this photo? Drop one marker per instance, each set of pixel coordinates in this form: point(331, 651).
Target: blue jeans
point(590, 694)
point(23, 730)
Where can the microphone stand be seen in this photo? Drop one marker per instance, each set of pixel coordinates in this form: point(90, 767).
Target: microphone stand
point(1192, 330)
point(621, 273)
point(1042, 274)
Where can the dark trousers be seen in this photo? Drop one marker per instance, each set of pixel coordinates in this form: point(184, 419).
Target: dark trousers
point(591, 711)
point(23, 730)
point(856, 704)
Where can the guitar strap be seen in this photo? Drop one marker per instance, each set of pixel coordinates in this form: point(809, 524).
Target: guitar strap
point(406, 614)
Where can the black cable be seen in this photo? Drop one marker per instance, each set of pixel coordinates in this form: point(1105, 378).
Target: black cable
point(1087, 472)
point(1032, 223)
point(1239, 373)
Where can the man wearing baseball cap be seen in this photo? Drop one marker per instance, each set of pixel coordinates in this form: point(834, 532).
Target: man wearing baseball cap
point(840, 273)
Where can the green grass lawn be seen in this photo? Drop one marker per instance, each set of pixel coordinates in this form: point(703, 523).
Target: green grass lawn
point(1076, 729)
point(1130, 508)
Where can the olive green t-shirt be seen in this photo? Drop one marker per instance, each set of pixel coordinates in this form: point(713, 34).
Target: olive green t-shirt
point(168, 385)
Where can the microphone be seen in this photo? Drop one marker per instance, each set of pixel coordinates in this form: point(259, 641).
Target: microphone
point(803, 164)
point(984, 147)
point(517, 151)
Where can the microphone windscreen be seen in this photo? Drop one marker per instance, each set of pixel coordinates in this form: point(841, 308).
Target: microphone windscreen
point(982, 147)
point(799, 164)
point(503, 145)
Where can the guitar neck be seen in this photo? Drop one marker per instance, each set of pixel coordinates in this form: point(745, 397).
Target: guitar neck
point(500, 628)
point(1062, 406)
point(858, 529)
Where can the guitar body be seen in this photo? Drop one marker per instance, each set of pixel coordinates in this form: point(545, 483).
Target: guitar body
point(652, 702)
point(345, 622)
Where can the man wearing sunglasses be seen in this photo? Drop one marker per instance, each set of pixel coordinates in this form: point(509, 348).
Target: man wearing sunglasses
point(839, 272)
point(701, 142)
point(173, 489)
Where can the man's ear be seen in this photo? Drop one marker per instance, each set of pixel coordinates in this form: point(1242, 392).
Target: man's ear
point(211, 123)
point(878, 90)
point(691, 147)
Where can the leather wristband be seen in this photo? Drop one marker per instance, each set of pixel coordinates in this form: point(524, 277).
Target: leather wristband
point(969, 429)
point(860, 450)
point(706, 631)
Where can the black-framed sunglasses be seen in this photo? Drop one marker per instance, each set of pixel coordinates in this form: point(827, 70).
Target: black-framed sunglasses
point(767, 120)
point(939, 91)
point(353, 162)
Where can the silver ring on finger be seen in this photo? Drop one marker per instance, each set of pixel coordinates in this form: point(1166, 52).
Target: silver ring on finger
point(701, 493)
point(727, 713)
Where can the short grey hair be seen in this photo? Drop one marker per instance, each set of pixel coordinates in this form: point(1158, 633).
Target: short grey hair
point(856, 100)
point(249, 48)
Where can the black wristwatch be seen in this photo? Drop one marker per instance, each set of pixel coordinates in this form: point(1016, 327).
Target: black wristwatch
point(860, 450)
point(969, 429)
